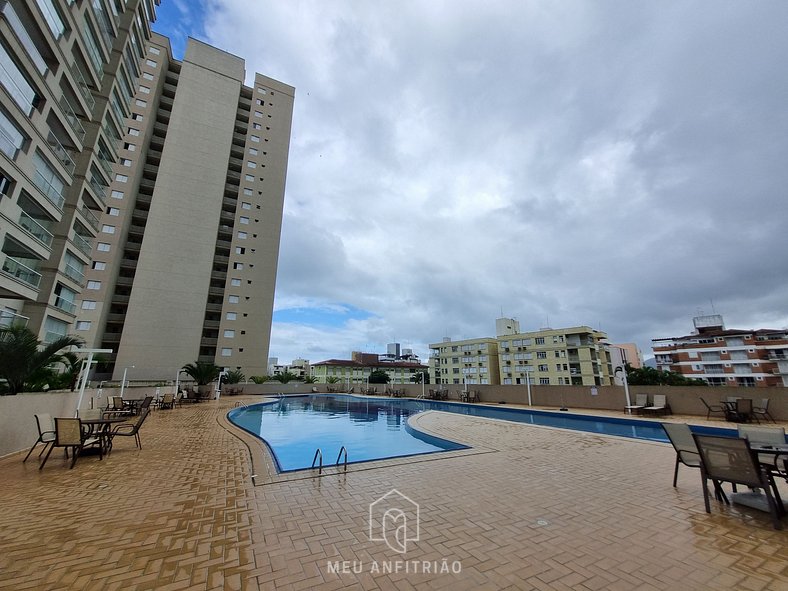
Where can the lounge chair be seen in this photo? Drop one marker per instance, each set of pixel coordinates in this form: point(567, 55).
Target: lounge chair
point(712, 408)
point(46, 433)
point(641, 402)
point(763, 410)
point(659, 405)
point(729, 459)
point(686, 451)
point(68, 434)
point(131, 429)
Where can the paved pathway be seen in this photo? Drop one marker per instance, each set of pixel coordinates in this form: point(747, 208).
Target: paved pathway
point(540, 508)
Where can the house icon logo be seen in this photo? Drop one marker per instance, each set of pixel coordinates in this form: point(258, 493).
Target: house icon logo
point(394, 519)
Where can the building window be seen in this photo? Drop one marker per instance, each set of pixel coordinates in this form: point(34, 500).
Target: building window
point(250, 164)
point(543, 367)
point(88, 304)
point(151, 63)
point(256, 126)
point(238, 266)
point(240, 250)
point(244, 220)
point(141, 103)
point(231, 316)
point(249, 177)
point(235, 282)
point(132, 131)
point(144, 89)
point(540, 340)
point(242, 235)
point(245, 205)
point(544, 381)
point(83, 325)
point(233, 299)
point(258, 114)
point(94, 284)
point(136, 117)
point(12, 138)
point(130, 147)
point(255, 138)
point(121, 178)
point(103, 247)
point(107, 229)
point(229, 334)
point(227, 352)
point(113, 211)
point(253, 151)
point(99, 265)
point(154, 50)
point(117, 194)
point(125, 162)
point(541, 354)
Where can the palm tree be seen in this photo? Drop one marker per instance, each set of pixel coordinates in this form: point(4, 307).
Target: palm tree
point(22, 355)
point(332, 380)
point(235, 376)
point(259, 379)
point(201, 372)
point(285, 377)
point(310, 379)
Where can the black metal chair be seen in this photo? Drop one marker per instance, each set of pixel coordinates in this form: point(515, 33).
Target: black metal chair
point(46, 433)
point(763, 411)
point(729, 459)
point(712, 408)
point(131, 429)
point(686, 451)
point(69, 434)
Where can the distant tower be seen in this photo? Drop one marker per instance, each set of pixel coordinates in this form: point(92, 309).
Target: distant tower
point(506, 326)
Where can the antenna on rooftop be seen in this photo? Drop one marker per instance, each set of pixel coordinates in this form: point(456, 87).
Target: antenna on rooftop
point(711, 301)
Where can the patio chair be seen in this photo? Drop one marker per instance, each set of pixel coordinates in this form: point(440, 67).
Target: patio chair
point(763, 410)
point(146, 404)
point(46, 433)
point(764, 436)
point(712, 408)
point(743, 412)
point(686, 451)
point(68, 434)
point(131, 429)
point(659, 405)
point(91, 413)
point(729, 459)
point(641, 402)
point(116, 406)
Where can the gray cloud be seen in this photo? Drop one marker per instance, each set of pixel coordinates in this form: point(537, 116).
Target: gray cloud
point(615, 164)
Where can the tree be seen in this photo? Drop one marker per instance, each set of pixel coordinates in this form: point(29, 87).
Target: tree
point(378, 376)
point(235, 376)
point(332, 380)
point(22, 355)
point(285, 377)
point(649, 376)
point(310, 380)
point(201, 372)
point(260, 379)
point(420, 376)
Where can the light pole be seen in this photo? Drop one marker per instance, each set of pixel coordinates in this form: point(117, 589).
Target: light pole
point(626, 384)
point(123, 382)
point(178, 381)
point(222, 374)
point(528, 385)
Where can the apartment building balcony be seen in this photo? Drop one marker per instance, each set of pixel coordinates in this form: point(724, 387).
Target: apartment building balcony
point(8, 318)
point(89, 217)
point(119, 298)
point(136, 230)
point(67, 306)
point(116, 318)
point(166, 102)
point(83, 243)
point(73, 273)
point(53, 193)
point(21, 270)
point(35, 229)
point(777, 355)
point(98, 189)
point(124, 281)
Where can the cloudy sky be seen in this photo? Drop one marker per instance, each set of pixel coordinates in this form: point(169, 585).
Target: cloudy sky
point(617, 164)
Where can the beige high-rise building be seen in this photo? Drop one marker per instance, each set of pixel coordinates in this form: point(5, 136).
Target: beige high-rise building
point(67, 72)
point(184, 266)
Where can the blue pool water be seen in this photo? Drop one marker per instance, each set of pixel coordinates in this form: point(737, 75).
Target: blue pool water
point(376, 428)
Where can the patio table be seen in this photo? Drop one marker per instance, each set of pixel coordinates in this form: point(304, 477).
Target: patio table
point(101, 428)
point(755, 499)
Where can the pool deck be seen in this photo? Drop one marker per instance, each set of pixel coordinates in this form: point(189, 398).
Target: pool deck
point(529, 508)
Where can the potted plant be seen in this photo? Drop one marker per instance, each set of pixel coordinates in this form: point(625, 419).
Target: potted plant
point(203, 373)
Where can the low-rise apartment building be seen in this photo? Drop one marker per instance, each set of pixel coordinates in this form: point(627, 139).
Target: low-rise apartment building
point(726, 357)
point(471, 361)
point(357, 370)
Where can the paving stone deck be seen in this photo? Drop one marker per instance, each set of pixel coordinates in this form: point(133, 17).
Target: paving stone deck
point(535, 508)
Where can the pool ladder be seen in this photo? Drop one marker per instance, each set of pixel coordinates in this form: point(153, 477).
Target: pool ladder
point(318, 459)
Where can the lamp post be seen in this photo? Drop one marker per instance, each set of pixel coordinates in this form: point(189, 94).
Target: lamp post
point(222, 374)
point(177, 381)
point(528, 386)
point(123, 382)
point(624, 380)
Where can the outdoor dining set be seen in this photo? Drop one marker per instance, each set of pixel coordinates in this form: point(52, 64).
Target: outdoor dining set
point(96, 428)
point(755, 459)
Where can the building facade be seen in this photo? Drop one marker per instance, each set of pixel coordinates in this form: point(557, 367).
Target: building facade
point(184, 267)
point(357, 370)
point(67, 76)
point(726, 357)
point(576, 356)
point(470, 361)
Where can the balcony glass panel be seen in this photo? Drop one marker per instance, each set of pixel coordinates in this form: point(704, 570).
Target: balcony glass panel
point(60, 152)
point(84, 89)
point(91, 45)
point(24, 38)
point(72, 118)
point(22, 272)
point(82, 243)
point(15, 82)
point(36, 229)
point(11, 139)
point(48, 181)
point(52, 17)
point(90, 218)
point(65, 305)
point(74, 273)
point(8, 318)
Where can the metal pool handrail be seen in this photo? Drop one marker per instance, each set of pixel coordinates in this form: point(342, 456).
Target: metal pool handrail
point(342, 450)
point(318, 454)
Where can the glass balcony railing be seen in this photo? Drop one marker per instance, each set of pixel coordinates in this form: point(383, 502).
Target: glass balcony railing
point(98, 187)
point(83, 244)
point(84, 89)
point(15, 83)
point(72, 118)
point(24, 37)
point(106, 166)
point(96, 60)
point(61, 153)
point(65, 305)
point(37, 230)
point(52, 192)
point(73, 273)
point(8, 318)
point(90, 218)
point(51, 336)
point(52, 17)
point(22, 272)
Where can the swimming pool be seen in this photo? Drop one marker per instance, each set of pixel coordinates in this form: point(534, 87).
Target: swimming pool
point(372, 428)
